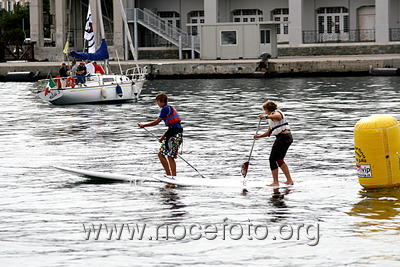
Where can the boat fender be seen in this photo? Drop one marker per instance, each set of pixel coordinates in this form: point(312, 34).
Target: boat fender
point(104, 93)
point(377, 151)
point(119, 90)
point(70, 82)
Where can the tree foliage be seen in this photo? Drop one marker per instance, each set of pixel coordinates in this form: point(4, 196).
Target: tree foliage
point(14, 25)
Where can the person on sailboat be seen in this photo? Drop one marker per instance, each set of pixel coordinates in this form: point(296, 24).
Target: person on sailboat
point(73, 68)
point(171, 139)
point(81, 73)
point(63, 72)
point(89, 67)
point(98, 68)
point(279, 127)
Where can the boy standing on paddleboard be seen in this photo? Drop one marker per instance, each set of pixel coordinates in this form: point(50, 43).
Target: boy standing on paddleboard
point(172, 138)
point(279, 127)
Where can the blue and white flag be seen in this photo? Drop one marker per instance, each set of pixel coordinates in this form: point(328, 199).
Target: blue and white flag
point(89, 33)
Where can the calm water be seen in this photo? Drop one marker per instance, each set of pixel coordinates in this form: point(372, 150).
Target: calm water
point(326, 219)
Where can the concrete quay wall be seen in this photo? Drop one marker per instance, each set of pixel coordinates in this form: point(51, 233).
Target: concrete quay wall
point(333, 64)
point(285, 66)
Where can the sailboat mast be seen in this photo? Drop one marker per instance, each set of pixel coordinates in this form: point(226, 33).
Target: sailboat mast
point(102, 33)
point(100, 14)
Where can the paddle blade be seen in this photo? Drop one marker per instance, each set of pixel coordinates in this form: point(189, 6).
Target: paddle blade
point(245, 167)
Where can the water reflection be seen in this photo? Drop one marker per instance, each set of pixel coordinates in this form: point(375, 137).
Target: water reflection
point(277, 197)
point(379, 204)
point(87, 180)
point(171, 200)
point(380, 211)
point(277, 201)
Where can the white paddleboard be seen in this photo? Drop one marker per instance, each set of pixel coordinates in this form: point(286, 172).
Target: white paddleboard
point(237, 182)
point(206, 182)
point(104, 175)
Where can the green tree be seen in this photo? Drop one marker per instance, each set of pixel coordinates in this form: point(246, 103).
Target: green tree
point(14, 25)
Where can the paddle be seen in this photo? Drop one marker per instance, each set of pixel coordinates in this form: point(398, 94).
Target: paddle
point(245, 165)
point(178, 155)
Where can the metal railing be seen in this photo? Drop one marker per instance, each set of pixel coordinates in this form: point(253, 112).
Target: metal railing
point(16, 51)
point(312, 37)
point(394, 34)
point(163, 28)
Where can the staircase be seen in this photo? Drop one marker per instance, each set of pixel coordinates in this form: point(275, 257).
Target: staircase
point(163, 28)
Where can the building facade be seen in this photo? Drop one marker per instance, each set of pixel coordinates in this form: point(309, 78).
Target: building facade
point(300, 23)
point(9, 4)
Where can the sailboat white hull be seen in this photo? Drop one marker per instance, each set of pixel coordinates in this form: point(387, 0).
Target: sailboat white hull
point(101, 88)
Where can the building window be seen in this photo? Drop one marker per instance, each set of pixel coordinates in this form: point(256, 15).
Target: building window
point(265, 36)
point(228, 38)
point(333, 20)
point(286, 26)
point(196, 17)
point(281, 11)
point(171, 16)
point(247, 15)
point(278, 27)
point(321, 24)
point(282, 29)
point(346, 23)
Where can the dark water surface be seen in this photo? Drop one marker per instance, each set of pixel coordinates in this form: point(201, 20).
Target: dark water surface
point(326, 219)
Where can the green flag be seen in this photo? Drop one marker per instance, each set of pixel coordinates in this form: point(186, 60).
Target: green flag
point(51, 83)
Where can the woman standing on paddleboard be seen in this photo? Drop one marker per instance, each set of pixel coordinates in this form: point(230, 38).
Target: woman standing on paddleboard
point(279, 127)
point(172, 138)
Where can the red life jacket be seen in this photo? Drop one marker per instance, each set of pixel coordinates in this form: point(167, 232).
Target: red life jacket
point(172, 118)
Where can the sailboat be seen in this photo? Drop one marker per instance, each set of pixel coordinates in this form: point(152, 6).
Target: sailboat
point(97, 87)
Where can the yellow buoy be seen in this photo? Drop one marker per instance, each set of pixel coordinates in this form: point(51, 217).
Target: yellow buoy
point(377, 151)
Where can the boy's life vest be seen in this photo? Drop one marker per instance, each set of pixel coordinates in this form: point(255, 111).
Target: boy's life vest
point(172, 119)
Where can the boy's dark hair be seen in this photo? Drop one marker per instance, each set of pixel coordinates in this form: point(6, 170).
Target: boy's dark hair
point(162, 98)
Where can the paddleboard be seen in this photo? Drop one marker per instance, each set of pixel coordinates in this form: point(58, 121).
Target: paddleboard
point(237, 182)
point(104, 175)
point(207, 182)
